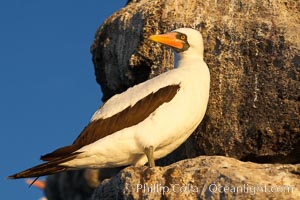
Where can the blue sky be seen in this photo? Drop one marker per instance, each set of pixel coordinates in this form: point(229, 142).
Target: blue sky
point(48, 90)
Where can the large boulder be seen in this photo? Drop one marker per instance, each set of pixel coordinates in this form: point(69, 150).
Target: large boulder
point(204, 177)
point(253, 51)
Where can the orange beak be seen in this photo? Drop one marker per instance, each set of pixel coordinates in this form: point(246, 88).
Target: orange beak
point(168, 39)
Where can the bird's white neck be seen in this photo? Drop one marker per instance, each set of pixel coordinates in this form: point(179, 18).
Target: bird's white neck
point(190, 60)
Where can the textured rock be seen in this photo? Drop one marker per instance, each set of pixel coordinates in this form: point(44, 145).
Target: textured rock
point(205, 177)
point(253, 51)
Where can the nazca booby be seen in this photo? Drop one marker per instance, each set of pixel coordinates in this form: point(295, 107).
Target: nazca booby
point(144, 123)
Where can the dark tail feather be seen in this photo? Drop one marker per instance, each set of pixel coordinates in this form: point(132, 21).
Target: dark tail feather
point(47, 168)
point(58, 153)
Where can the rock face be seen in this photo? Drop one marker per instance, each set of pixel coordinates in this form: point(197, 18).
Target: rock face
point(204, 177)
point(253, 51)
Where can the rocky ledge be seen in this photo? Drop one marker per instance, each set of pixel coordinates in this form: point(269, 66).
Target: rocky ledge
point(204, 177)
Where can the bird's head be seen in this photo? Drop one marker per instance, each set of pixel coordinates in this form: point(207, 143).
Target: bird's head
point(186, 41)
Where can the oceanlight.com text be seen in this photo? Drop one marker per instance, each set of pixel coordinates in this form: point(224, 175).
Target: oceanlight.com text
point(251, 189)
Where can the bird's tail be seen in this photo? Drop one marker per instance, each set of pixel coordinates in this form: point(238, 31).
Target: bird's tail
point(47, 168)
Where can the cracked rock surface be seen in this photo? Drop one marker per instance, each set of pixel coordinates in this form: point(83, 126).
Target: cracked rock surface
point(204, 177)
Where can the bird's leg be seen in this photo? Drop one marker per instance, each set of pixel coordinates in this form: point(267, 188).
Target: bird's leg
point(149, 154)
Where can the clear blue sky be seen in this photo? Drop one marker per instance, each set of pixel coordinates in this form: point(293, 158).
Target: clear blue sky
point(48, 90)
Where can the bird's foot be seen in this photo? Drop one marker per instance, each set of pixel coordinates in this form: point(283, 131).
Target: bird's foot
point(149, 154)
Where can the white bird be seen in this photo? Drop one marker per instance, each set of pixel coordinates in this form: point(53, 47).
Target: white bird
point(144, 123)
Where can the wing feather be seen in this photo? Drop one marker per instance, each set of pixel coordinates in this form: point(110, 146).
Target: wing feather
point(128, 117)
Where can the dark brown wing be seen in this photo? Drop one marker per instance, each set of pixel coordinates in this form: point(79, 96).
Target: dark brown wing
point(128, 117)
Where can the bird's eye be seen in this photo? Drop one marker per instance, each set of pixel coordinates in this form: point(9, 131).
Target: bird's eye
point(183, 37)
